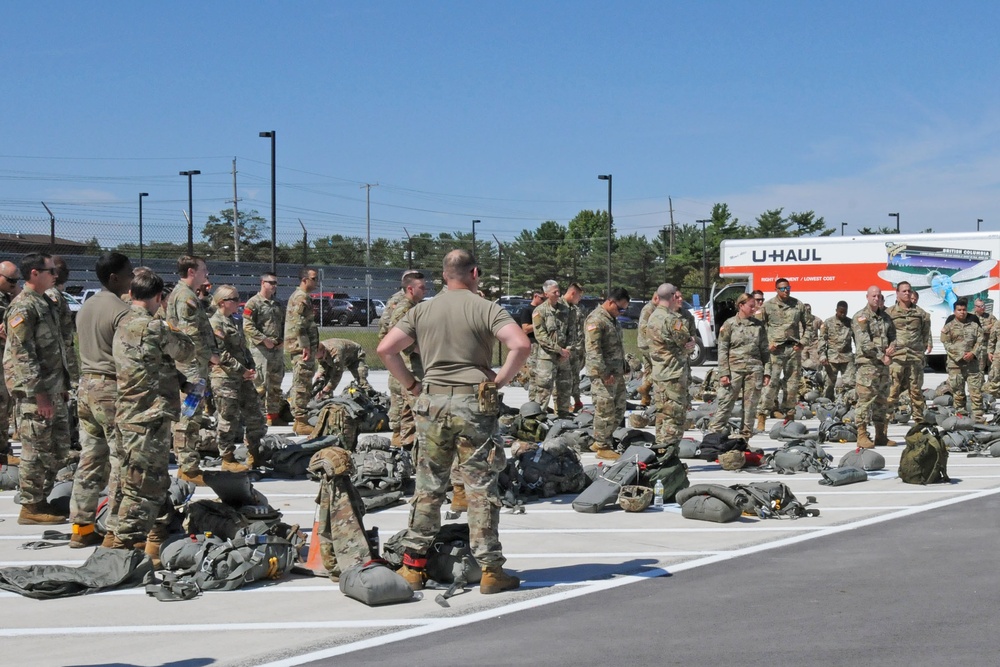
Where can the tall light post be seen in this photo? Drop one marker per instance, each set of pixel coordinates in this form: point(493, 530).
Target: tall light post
point(895, 215)
point(979, 221)
point(843, 226)
point(607, 177)
point(704, 254)
point(141, 195)
point(474, 223)
point(274, 210)
point(190, 221)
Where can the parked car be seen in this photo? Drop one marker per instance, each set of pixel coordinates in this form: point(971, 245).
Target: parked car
point(379, 307)
point(329, 311)
point(74, 304)
point(630, 320)
point(364, 312)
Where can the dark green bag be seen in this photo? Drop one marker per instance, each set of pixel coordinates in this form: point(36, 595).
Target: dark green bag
point(668, 468)
point(925, 458)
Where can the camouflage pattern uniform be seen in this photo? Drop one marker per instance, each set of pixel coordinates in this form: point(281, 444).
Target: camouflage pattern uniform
point(994, 376)
point(341, 355)
point(810, 352)
point(668, 335)
point(186, 313)
point(143, 415)
point(873, 334)
point(907, 367)
point(988, 322)
point(742, 356)
point(555, 329)
point(959, 338)
point(68, 329)
point(34, 362)
point(578, 355)
point(837, 356)
point(263, 319)
point(401, 422)
point(605, 357)
point(236, 398)
point(5, 400)
point(341, 533)
point(786, 326)
point(301, 333)
point(641, 340)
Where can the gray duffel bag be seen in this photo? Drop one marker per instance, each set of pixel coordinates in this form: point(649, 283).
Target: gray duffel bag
point(710, 502)
point(842, 476)
point(862, 459)
point(374, 584)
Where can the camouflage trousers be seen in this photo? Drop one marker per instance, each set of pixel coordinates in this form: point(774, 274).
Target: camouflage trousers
point(401, 423)
point(745, 384)
point(908, 375)
point(578, 363)
point(6, 404)
point(145, 478)
point(670, 401)
point(358, 370)
point(236, 401)
point(44, 447)
point(529, 372)
point(609, 408)
point(872, 384)
point(99, 466)
point(450, 428)
point(993, 386)
point(187, 435)
point(958, 376)
point(786, 365)
point(342, 539)
point(301, 391)
point(270, 365)
point(553, 379)
point(845, 370)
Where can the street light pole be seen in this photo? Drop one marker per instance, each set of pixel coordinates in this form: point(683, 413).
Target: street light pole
point(704, 254)
point(272, 135)
point(141, 195)
point(895, 215)
point(474, 223)
point(52, 228)
point(499, 266)
point(607, 177)
point(190, 220)
point(843, 225)
point(979, 221)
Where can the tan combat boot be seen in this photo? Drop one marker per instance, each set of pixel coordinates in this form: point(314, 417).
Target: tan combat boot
point(864, 442)
point(230, 464)
point(761, 423)
point(459, 503)
point(154, 540)
point(12, 460)
point(84, 535)
point(643, 391)
point(253, 455)
point(882, 437)
point(414, 571)
point(495, 580)
point(301, 427)
point(109, 541)
point(39, 514)
point(194, 476)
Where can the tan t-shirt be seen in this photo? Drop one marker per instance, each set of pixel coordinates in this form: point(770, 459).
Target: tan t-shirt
point(95, 325)
point(455, 332)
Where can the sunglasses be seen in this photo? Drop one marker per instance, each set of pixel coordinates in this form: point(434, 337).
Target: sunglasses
point(231, 299)
point(270, 282)
point(51, 269)
point(759, 299)
point(9, 279)
point(784, 289)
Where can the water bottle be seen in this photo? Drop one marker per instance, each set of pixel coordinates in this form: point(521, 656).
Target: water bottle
point(193, 399)
point(658, 494)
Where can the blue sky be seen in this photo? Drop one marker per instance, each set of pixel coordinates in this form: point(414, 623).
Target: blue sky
point(505, 112)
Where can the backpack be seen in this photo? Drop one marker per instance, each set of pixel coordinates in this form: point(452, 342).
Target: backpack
point(380, 467)
point(449, 560)
point(549, 468)
point(715, 444)
point(668, 469)
point(292, 459)
point(772, 500)
point(925, 458)
point(834, 430)
point(341, 417)
point(798, 456)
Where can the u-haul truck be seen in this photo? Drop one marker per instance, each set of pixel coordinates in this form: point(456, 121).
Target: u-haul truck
point(825, 270)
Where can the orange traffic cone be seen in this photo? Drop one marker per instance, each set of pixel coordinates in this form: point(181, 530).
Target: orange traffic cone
point(314, 561)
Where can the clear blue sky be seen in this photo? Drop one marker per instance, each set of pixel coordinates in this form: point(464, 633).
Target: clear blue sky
point(505, 112)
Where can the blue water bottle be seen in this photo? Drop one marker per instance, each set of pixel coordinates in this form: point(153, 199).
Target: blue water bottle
point(193, 399)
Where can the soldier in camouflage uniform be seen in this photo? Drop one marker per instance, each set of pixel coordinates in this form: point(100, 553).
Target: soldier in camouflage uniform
point(66, 325)
point(643, 344)
point(555, 333)
point(907, 368)
point(788, 331)
point(400, 403)
point(962, 337)
point(743, 355)
point(99, 464)
point(836, 354)
point(579, 357)
point(670, 343)
point(874, 340)
point(302, 343)
point(606, 368)
point(810, 352)
point(186, 313)
point(34, 362)
point(233, 385)
point(527, 373)
point(992, 353)
point(9, 288)
point(341, 355)
point(264, 327)
point(456, 414)
point(987, 321)
point(143, 414)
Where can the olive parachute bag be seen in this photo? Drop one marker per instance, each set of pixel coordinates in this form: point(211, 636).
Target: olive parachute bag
point(925, 458)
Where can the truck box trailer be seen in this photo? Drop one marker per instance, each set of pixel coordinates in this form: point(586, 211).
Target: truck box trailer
point(825, 270)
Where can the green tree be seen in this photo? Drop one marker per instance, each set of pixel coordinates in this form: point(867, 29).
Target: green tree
point(219, 239)
point(807, 224)
point(771, 224)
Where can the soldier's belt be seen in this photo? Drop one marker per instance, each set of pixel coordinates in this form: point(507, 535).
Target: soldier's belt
point(460, 390)
point(99, 376)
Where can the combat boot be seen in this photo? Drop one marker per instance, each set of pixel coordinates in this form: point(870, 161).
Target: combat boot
point(864, 442)
point(761, 423)
point(302, 427)
point(275, 419)
point(230, 464)
point(459, 503)
point(414, 571)
point(11, 460)
point(109, 540)
point(396, 441)
point(253, 455)
point(40, 514)
point(882, 436)
point(194, 476)
point(154, 540)
point(84, 535)
point(608, 454)
point(643, 391)
point(495, 580)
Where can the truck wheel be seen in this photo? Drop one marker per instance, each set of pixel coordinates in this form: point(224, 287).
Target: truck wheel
point(345, 320)
point(698, 354)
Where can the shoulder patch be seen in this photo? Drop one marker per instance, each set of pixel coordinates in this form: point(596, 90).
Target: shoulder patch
point(190, 303)
point(862, 318)
point(247, 312)
point(679, 325)
point(219, 333)
point(16, 320)
point(591, 327)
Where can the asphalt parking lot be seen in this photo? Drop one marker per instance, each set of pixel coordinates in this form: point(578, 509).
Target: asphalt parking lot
point(563, 558)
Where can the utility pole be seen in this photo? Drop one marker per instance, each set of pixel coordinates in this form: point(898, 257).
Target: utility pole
point(236, 218)
point(305, 244)
point(368, 248)
point(499, 266)
point(671, 200)
point(52, 229)
point(409, 249)
point(665, 264)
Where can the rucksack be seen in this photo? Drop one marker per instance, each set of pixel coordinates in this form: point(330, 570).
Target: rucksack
point(668, 469)
point(449, 559)
point(834, 430)
point(380, 467)
point(550, 468)
point(772, 500)
point(342, 417)
point(715, 444)
point(925, 458)
point(799, 456)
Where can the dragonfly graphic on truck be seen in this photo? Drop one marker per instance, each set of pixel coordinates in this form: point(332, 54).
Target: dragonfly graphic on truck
point(941, 275)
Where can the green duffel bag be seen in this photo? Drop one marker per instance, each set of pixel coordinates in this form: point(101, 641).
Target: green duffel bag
point(709, 508)
point(842, 476)
point(374, 583)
